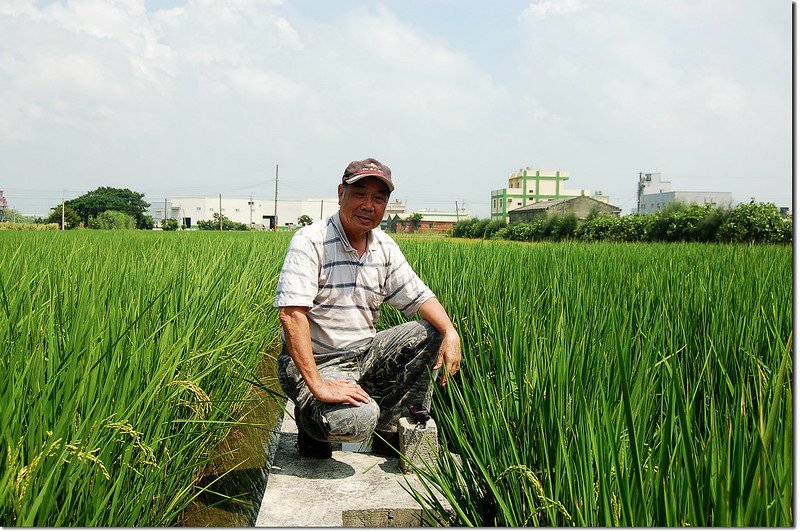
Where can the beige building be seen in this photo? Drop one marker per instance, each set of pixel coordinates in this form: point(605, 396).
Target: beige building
point(527, 186)
point(580, 206)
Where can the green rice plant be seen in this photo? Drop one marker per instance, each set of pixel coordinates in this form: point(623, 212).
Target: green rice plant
point(613, 384)
point(126, 359)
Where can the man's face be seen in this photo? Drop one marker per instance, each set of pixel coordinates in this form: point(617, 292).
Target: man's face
point(362, 204)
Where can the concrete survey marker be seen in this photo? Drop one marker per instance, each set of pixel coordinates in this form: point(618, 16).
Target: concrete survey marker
point(351, 489)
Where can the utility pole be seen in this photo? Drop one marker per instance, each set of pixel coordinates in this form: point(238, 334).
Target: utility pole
point(456, 210)
point(165, 212)
point(63, 227)
point(321, 202)
point(251, 203)
point(220, 212)
point(639, 188)
point(275, 226)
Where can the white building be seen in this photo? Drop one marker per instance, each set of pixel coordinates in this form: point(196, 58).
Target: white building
point(655, 194)
point(256, 213)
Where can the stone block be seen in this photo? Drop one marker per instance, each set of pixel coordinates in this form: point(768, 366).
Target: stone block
point(383, 518)
point(418, 445)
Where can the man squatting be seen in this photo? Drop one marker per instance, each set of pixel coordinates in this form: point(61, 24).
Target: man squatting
point(348, 380)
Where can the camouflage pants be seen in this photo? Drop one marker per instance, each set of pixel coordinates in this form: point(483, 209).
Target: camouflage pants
point(394, 368)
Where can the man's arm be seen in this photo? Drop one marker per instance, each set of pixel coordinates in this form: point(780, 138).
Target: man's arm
point(297, 335)
point(450, 350)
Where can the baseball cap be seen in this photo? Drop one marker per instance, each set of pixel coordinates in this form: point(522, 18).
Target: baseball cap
point(366, 168)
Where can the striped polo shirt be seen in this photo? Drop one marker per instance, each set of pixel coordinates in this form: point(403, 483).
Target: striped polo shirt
point(343, 292)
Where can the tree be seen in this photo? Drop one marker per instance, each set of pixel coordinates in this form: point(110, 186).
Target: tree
point(597, 228)
point(414, 220)
point(71, 218)
point(227, 224)
point(112, 220)
point(493, 227)
point(104, 199)
point(304, 220)
point(13, 215)
point(461, 229)
point(561, 226)
point(169, 224)
point(752, 223)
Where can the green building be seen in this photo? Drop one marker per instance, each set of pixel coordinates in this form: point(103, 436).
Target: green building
point(528, 186)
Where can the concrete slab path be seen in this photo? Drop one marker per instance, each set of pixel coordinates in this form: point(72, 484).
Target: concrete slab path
point(351, 489)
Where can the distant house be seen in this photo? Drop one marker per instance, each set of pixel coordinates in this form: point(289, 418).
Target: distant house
point(397, 207)
point(430, 222)
point(580, 206)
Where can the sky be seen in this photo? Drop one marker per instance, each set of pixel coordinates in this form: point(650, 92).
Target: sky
point(199, 97)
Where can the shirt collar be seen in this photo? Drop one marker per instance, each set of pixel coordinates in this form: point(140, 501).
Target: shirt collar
point(337, 223)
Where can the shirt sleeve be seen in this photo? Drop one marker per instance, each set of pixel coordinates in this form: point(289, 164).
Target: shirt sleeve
point(405, 290)
point(299, 279)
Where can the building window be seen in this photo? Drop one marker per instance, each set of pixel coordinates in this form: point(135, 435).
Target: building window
point(199, 209)
point(237, 210)
point(211, 209)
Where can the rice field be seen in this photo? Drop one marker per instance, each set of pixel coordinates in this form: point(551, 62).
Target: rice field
point(602, 384)
point(615, 385)
point(126, 357)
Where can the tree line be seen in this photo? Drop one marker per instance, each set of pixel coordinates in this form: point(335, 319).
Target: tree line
point(115, 208)
point(747, 223)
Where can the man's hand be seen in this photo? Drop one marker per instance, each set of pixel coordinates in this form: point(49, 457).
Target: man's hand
point(450, 350)
point(449, 355)
point(298, 343)
point(341, 391)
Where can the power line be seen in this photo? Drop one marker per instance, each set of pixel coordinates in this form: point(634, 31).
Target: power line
point(724, 177)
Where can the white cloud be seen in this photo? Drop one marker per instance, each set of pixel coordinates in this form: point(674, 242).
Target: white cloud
point(74, 74)
point(266, 86)
point(544, 8)
point(388, 70)
point(722, 96)
point(208, 91)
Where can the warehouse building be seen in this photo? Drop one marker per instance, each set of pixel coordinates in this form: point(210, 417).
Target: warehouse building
point(253, 212)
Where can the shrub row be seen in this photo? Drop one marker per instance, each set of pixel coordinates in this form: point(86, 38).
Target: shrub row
point(747, 223)
point(12, 226)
